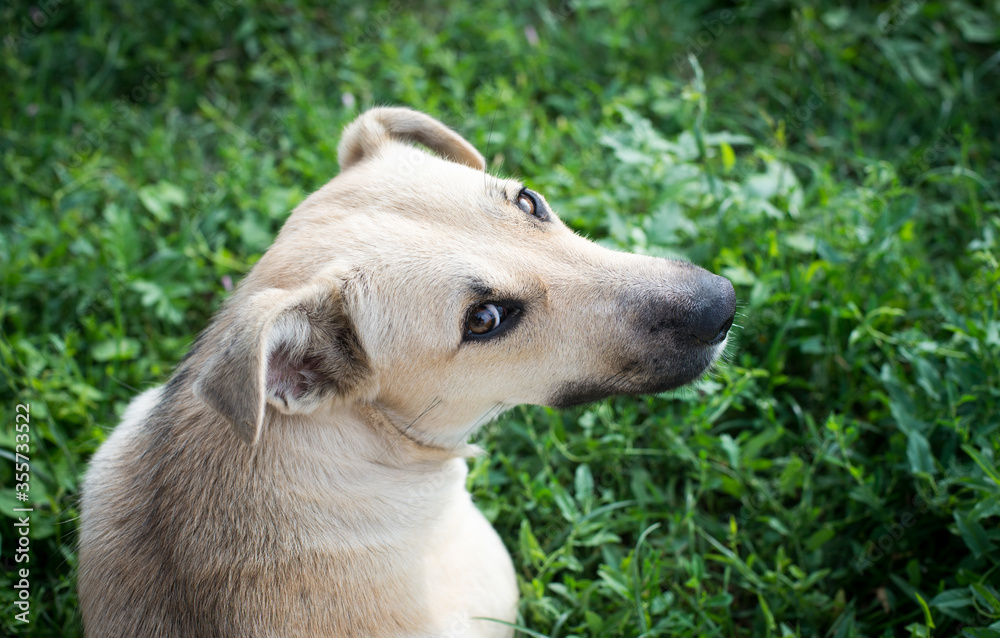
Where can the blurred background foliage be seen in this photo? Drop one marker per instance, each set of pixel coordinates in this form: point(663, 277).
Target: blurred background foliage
point(836, 476)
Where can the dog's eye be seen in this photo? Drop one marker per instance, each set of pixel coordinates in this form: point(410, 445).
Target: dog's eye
point(484, 319)
point(531, 203)
point(526, 202)
point(489, 319)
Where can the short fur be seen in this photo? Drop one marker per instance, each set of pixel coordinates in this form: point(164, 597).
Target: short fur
point(303, 471)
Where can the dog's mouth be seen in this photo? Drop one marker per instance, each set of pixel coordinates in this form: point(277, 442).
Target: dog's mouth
point(637, 379)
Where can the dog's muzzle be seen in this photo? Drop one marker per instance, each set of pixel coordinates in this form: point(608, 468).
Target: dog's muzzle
point(670, 335)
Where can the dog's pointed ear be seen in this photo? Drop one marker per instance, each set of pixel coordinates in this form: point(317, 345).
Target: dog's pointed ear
point(375, 127)
point(289, 350)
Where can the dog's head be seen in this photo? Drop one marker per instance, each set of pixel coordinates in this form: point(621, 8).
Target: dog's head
point(421, 285)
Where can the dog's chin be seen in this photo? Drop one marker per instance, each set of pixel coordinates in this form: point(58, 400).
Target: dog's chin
point(632, 381)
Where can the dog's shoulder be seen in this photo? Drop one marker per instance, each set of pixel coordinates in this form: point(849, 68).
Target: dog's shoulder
point(135, 416)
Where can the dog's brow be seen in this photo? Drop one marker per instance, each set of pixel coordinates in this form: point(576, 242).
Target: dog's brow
point(525, 291)
point(500, 191)
point(481, 290)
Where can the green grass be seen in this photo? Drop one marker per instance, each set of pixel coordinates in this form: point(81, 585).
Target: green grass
point(836, 476)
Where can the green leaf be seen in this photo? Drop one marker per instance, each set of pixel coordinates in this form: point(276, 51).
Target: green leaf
point(987, 468)
point(918, 453)
point(9, 502)
point(732, 450)
point(837, 19)
point(912, 592)
point(951, 601)
point(739, 275)
point(974, 536)
point(753, 447)
point(725, 137)
point(792, 476)
point(565, 503)
point(255, 232)
point(775, 524)
point(819, 538)
point(728, 156)
point(986, 508)
point(800, 242)
point(594, 622)
point(528, 543)
point(927, 612)
point(115, 350)
point(918, 631)
point(928, 377)
point(766, 610)
point(161, 300)
point(987, 597)
point(668, 225)
point(158, 198)
point(637, 587)
point(584, 486)
point(977, 26)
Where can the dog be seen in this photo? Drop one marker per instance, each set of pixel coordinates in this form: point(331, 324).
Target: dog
point(303, 471)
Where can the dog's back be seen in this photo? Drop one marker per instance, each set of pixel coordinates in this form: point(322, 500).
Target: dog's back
point(176, 526)
point(193, 533)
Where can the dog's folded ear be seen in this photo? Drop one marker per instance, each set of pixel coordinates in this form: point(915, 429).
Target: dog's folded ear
point(287, 349)
point(373, 128)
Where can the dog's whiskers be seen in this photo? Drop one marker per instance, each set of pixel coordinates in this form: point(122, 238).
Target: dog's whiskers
point(486, 418)
point(517, 169)
point(489, 139)
point(406, 428)
point(124, 384)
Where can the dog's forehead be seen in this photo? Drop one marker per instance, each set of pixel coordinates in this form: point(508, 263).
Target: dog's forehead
point(407, 181)
point(408, 211)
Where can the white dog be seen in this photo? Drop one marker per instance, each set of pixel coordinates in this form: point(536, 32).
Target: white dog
point(303, 471)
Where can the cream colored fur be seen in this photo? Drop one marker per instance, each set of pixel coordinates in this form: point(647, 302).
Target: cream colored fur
point(303, 472)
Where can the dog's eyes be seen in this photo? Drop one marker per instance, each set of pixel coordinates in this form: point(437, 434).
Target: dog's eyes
point(485, 318)
point(528, 202)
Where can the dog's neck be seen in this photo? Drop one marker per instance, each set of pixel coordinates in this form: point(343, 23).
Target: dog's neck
point(349, 471)
point(407, 443)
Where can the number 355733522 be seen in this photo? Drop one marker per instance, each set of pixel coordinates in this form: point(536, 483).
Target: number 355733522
point(22, 420)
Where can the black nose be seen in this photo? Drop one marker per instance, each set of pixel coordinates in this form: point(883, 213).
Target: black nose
point(714, 310)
